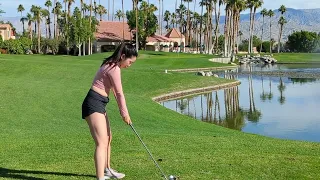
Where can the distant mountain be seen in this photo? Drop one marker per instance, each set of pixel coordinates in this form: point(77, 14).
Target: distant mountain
point(298, 19)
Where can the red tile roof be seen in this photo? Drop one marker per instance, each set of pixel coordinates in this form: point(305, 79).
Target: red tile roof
point(112, 31)
point(174, 33)
point(158, 38)
point(5, 26)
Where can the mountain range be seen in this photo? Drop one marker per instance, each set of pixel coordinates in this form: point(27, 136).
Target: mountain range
point(298, 19)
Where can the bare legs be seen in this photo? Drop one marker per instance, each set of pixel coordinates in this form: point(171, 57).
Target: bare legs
point(100, 131)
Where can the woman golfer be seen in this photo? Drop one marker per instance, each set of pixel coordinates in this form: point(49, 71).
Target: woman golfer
point(93, 108)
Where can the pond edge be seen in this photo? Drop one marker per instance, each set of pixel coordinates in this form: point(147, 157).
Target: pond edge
point(188, 92)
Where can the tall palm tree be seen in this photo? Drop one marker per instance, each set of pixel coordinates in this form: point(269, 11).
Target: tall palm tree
point(264, 13)
point(282, 21)
point(256, 4)
point(57, 12)
point(188, 21)
point(270, 14)
point(250, 6)
point(108, 10)
point(101, 10)
point(90, 22)
point(23, 20)
point(37, 16)
point(167, 16)
point(217, 18)
point(160, 17)
point(173, 19)
point(135, 3)
point(21, 9)
point(54, 18)
point(119, 14)
point(30, 20)
point(201, 3)
point(48, 4)
point(45, 15)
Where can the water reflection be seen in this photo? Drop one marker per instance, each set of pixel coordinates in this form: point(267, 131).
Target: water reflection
point(273, 106)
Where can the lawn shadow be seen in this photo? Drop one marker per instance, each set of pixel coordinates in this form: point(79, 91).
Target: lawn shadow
point(18, 174)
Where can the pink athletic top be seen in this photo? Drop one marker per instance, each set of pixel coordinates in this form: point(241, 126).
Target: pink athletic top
point(109, 77)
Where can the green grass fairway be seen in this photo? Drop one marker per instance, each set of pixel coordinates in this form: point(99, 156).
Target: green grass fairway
point(297, 57)
point(43, 136)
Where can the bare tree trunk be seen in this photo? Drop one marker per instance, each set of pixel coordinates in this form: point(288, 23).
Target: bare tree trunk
point(280, 35)
point(252, 28)
point(39, 36)
point(54, 20)
point(262, 34)
point(226, 34)
point(90, 44)
point(249, 48)
point(201, 29)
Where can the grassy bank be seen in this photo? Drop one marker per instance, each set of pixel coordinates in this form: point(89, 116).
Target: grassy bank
point(297, 57)
point(43, 136)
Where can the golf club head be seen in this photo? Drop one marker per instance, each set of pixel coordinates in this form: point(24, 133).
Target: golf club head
point(171, 177)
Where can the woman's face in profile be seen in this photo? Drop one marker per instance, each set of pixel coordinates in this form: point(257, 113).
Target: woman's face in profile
point(127, 62)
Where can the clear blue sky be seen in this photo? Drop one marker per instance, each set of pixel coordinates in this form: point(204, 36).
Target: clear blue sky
point(10, 6)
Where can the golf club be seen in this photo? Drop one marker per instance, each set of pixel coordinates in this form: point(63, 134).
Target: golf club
point(165, 177)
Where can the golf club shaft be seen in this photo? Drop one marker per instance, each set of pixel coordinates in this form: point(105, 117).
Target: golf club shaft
point(149, 152)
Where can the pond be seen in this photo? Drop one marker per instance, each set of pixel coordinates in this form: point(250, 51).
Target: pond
point(280, 107)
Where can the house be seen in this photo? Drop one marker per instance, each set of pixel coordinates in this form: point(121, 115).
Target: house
point(111, 33)
point(6, 32)
point(178, 39)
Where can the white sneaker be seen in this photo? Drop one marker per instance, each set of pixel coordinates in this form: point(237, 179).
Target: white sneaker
point(111, 173)
point(104, 178)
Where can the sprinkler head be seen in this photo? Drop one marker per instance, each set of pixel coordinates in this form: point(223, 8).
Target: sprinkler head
point(171, 177)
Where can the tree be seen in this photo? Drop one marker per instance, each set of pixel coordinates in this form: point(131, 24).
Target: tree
point(270, 14)
point(78, 29)
point(21, 9)
point(264, 13)
point(101, 10)
point(23, 20)
point(135, 7)
point(147, 22)
point(30, 20)
point(188, 20)
point(48, 4)
point(57, 13)
point(119, 14)
point(167, 18)
point(37, 13)
point(303, 41)
point(281, 22)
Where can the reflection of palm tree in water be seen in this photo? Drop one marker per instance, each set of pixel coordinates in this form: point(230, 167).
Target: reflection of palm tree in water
point(253, 114)
point(281, 88)
point(263, 95)
point(270, 95)
point(217, 107)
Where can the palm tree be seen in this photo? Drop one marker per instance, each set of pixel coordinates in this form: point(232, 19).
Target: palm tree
point(108, 10)
point(30, 20)
point(257, 4)
point(173, 19)
point(250, 5)
point(90, 22)
point(37, 16)
point(57, 12)
point(270, 14)
point(45, 14)
point(54, 18)
point(21, 9)
point(101, 10)
point(188, 20)
point(119, 14)
point(281, 21)
point(48, 4)
point(135, 3)
point(217, 17)
point(167, 18)
point(201, 3)
point(281, 88)
point(23, 20)
point(264, 13)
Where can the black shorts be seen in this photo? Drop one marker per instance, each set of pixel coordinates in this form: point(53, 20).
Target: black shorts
point(94, 102)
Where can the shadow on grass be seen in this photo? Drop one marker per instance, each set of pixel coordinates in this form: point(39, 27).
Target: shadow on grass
point(18, 174)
